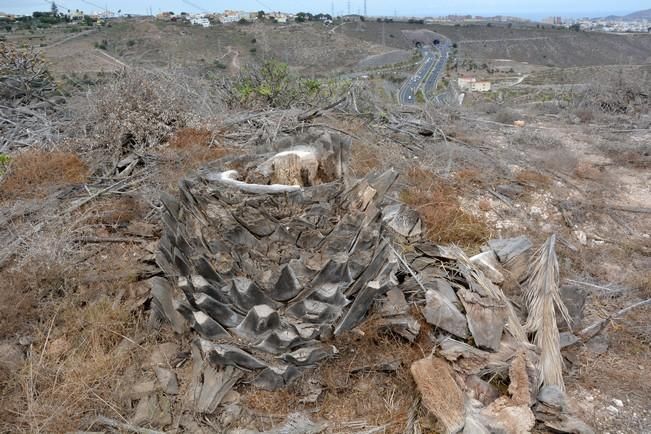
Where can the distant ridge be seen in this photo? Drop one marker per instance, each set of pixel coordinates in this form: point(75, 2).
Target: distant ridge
point(639, 15)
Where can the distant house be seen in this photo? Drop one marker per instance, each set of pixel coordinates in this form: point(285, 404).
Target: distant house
point(77, 15)
point(230, 17)
point(481, 86)
point(353, 18)
point(473, 85)
point(466, 82)
point(279, 17)
point(200, 21)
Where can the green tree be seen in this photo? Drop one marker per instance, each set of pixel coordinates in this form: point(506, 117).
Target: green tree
point(54, 9)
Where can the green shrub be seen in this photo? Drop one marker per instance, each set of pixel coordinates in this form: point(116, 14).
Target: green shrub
point(272, 84)
point(4, 163)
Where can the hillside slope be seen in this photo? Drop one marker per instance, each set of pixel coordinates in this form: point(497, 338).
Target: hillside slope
point(551, 47)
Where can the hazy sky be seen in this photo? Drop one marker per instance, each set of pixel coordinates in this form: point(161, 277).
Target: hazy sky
point(530, 9)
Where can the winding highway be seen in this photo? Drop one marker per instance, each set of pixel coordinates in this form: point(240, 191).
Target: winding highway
point(428, 74)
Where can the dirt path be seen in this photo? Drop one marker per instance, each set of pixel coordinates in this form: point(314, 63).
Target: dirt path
point(69, 38)
point(235, 61)
point(119, 62)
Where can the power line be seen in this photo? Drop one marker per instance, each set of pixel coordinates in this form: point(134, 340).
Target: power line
point(195, 6)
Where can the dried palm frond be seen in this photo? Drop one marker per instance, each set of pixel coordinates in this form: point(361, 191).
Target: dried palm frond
point(413, 425)
point(513, 323)
point(543, 296)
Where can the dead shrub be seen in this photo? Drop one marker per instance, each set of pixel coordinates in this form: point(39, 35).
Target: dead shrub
point(137, 109)
point(34, 173)
point(528, 138)
point(439, 207)
point(114, 211)
point(585, 115)
point(506, 116)
point(629, 153)
point(562, 160)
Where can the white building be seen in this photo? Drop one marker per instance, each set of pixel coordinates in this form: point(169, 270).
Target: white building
point(473, 85)
point(480, 86)
point(230, 17)
point(200, 21)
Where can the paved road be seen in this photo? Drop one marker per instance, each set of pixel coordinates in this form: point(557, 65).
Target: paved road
point(407, 93)
point(427, 75)
point(437, 72)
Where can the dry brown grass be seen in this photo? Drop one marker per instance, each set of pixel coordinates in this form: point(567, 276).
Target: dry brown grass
point(23, 289)
point(113, 211)
point(73, 371)
point(440, 209)
point(586, 170)
point(191, 137)
point(532, 178)
point(189, 149)
point(469, 176)
point(364, 159)
point(34, 173)
point(76, 305)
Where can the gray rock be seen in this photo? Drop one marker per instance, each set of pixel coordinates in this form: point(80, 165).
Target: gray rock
point(569, 424)
point(12, 357)
point(574, 299)
point(143, 389)
point(598, 344)
point(552, 396)
point(230, 414)
point(509, 248)
point(154, 411)
point(567, 339)
point(167, 379)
